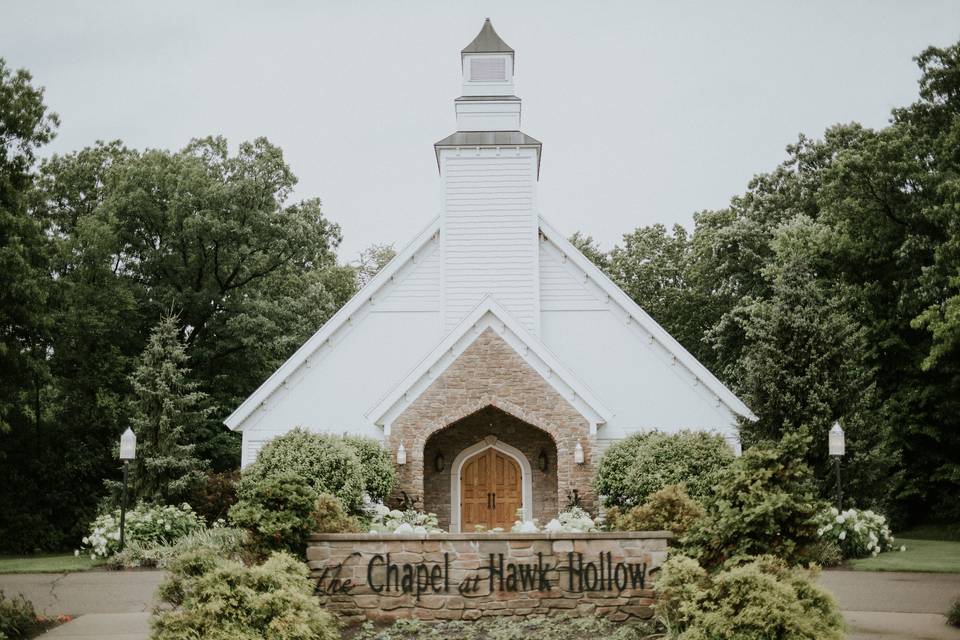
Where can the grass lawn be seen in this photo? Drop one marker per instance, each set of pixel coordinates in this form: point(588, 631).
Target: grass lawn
point(935, 556)
point(46, 563)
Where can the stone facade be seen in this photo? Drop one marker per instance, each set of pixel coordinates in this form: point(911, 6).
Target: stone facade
point(449, 576)
point(531, 442)
point(489, 373)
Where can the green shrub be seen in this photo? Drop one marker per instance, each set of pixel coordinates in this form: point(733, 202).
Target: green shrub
point(146, 525)
point(760, 599)
point(213, 497)
point(953, 616)
point(508, 628)
point(670, 509)
point(633, 468)
point(327, 464)
point(763, 504)
point(218, 599)
point(379, 474)
point(18, 619)
point(278, 511)
point(222, 541)
point(329, 517)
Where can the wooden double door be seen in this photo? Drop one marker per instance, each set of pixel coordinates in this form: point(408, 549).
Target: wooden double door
point(491, 491)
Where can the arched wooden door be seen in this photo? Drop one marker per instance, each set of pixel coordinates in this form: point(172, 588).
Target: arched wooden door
point(491, 491)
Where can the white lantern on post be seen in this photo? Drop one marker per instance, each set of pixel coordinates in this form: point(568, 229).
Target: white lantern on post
point(128, 452)
point(401, 455)
point(128, 445)
point(836, 445)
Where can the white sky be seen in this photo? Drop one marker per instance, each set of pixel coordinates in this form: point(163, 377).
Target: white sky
point(648, 111)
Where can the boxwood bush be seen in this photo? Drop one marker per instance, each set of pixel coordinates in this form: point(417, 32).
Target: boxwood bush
point(278, 511)
point(635, 467)
point(328, 464)
point(760, 598)
point(218, 599)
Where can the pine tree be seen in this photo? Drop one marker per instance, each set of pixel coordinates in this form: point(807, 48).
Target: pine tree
point(166, 407)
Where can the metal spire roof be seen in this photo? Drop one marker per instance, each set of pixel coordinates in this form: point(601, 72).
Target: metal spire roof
point(487, 41)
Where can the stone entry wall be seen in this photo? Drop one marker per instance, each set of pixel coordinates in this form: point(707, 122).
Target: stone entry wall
point(448, 576)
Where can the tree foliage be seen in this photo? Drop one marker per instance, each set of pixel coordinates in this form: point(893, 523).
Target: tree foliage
point(96, 245)
point(830, 290)
point(166, 408)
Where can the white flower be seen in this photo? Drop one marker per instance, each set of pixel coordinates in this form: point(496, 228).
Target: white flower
point(404, 528)
point(76, 553)
point(843, 535)
point(524, 527)
point(903, 548)
point(553, 525)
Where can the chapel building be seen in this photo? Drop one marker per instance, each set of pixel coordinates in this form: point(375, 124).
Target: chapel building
point(493, 360)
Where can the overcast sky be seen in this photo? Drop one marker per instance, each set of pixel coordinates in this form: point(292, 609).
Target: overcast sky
point(648, 111)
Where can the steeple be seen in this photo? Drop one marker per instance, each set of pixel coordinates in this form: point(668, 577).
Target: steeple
point(489, 223)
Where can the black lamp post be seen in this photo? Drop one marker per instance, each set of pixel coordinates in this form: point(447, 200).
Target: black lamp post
point(837, 448)
point(128, 452)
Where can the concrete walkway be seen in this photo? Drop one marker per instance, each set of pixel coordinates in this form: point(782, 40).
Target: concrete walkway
point(111, 626)
point(876, 606)
point(72, 594)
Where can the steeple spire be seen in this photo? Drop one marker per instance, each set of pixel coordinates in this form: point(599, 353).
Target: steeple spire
point(487, 41)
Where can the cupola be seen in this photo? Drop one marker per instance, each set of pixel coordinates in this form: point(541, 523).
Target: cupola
point(487, 64)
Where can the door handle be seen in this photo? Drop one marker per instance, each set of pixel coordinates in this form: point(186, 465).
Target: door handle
point(488, 501)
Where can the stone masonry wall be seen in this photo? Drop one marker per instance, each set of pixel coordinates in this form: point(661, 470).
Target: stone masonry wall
point(489, 373)
point(468, 576)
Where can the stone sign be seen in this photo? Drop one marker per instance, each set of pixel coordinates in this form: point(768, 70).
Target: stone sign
point(465, 576)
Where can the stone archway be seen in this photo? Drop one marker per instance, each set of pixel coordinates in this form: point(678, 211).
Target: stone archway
point(490, 427)
point(489, 373)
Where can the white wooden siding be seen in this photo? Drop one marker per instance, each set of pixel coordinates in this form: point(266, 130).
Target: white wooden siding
point(563, 286)
point(490, 232)
point(416, 287)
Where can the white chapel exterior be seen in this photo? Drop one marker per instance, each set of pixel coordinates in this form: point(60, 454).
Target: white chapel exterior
point(490, 356)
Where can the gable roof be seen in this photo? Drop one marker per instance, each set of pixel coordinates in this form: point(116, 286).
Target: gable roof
point(235, 420)
point(528, 346)
point(487, 41)
point(648, 324)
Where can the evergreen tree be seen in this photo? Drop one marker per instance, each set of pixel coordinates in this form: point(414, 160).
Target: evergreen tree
point(166, 407)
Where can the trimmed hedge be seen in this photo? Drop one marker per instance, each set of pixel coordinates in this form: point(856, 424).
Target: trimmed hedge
point(328, 464)
point(633, 468)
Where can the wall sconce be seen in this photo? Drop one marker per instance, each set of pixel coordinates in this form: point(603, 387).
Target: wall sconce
point(578, 453)
point(401, 455)
point(439, 463)
point(543, 461)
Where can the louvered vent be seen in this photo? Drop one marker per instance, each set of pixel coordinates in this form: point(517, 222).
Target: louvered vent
point(488, 69)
